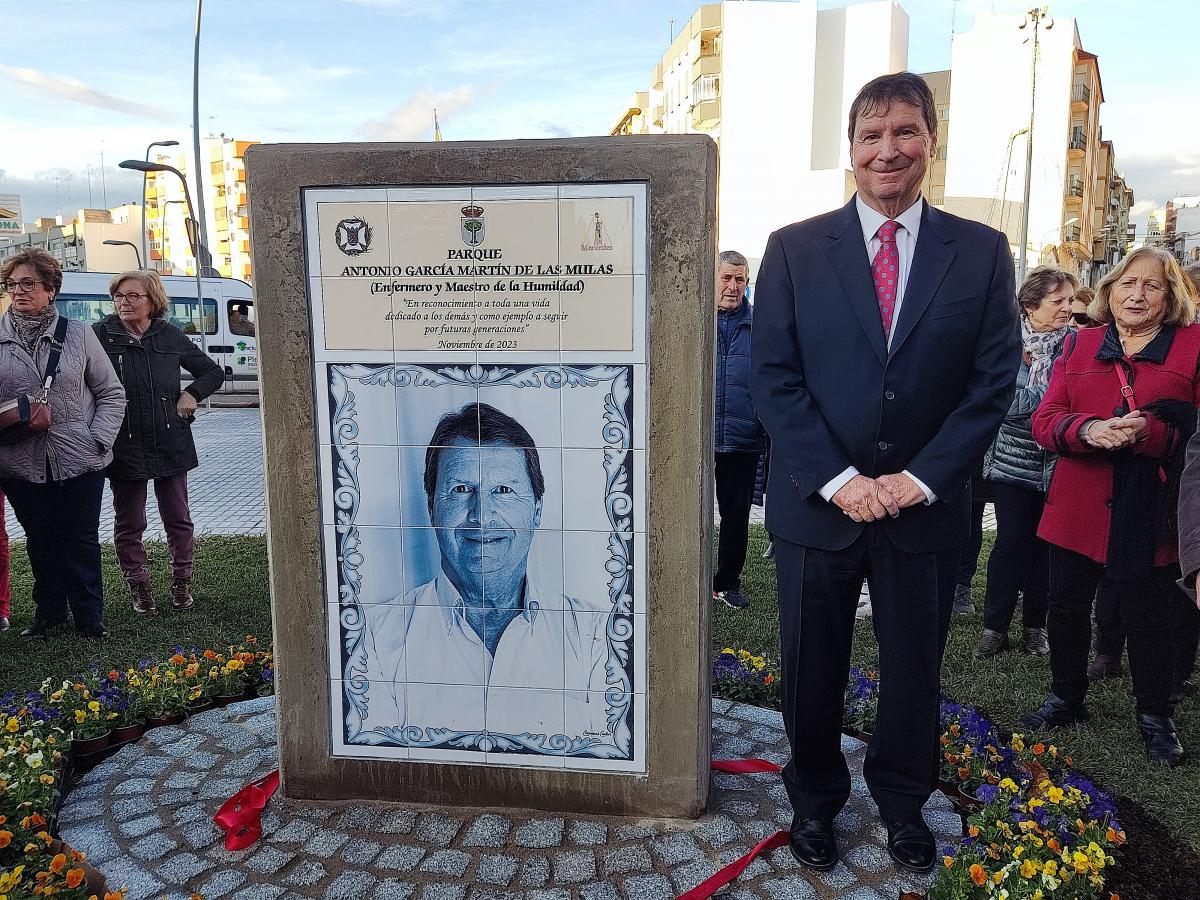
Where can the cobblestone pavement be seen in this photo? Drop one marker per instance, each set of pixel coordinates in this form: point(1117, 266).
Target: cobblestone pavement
point(225, 492)
point(144, 818)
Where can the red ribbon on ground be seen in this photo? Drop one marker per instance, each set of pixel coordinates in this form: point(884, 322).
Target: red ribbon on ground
point(710, 886)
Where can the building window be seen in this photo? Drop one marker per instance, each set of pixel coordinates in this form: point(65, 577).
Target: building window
point(941, 154)
point(706, 87)
point(944, 113)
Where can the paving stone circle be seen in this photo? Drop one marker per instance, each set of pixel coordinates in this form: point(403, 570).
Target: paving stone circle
point(144, 818)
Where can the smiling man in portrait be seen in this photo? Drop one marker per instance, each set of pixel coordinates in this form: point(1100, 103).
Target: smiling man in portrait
point(483, 620)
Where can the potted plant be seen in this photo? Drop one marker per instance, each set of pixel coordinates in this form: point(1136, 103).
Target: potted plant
point(862, 704)
point(92, 728)
point(159, 695)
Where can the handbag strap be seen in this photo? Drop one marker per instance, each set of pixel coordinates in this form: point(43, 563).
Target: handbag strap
point(56, 348)
point(1126, 390)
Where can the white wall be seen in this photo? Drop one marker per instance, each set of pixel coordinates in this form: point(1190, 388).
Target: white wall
point(989, 102)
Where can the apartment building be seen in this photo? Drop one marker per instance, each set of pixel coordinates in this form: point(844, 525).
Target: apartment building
point(228, 224)
point(78, 242)
point(1073, 176)
point(772, 83)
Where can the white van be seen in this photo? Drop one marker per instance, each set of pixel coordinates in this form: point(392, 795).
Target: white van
point(228, 317)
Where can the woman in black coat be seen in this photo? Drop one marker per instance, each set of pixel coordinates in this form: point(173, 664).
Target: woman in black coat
point(155, 443)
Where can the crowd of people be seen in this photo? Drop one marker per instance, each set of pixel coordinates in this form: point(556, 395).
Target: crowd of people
point(117, 413)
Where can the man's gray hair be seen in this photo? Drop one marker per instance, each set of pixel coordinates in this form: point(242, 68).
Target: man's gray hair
point(733, 258)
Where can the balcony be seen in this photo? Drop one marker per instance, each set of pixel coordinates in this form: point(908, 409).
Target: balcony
point(706, 64)
point(706, 114)
point(1072, 234)
point(1074, 188)
point(1078, 143)
point(1081, 97)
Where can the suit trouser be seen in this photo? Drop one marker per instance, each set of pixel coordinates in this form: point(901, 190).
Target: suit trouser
point(911, 596)
point(734, 473)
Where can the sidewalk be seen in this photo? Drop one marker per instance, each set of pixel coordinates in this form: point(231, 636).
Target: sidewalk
point(226, 492)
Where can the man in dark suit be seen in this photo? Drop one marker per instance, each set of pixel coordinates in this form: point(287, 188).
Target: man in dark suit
point(883, 360)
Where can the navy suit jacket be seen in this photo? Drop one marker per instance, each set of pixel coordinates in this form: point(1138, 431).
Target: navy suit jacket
point(832, 395)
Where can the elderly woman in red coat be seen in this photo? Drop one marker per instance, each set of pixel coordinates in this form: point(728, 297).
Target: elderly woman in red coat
point(1119, 410)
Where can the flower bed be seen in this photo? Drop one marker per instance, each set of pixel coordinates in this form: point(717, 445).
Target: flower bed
point(39, 730)
point(1033, 828)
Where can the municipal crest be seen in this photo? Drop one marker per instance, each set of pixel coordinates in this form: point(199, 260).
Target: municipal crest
point(353, 236)
point(472, 225)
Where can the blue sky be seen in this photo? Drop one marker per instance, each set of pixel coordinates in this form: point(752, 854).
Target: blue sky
point(85, 77)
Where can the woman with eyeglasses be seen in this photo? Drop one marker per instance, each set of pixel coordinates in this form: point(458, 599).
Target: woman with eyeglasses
point(155, 442)
point(1119, 411)
point(1079, 308)
point(1019, 471)
point(54, 479)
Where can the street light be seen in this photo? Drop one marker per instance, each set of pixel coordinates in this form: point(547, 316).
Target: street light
point(145, 240)
point(138, 165)
point(136, 255)
point(1034, 16)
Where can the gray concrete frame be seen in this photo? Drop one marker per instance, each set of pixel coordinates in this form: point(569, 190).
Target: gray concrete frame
point(681, 174)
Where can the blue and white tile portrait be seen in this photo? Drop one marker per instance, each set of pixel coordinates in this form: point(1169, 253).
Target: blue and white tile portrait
point(500, 623)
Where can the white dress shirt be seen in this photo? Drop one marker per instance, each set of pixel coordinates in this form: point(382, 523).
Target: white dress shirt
point(906, 245)
point(428, 668)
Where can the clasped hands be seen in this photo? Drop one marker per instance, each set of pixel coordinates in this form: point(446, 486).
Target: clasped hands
point(1116, 433)
point(866, 499)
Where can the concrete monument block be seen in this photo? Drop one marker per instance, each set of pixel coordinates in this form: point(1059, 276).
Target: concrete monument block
point(486, 377)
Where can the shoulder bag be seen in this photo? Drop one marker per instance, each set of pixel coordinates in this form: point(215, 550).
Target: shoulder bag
point(27, 414)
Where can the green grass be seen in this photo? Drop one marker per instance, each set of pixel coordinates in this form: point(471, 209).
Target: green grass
point(232, 600)
point(1108, 748)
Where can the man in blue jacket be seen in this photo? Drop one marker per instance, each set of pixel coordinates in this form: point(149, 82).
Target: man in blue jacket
point(738, 436)
point(884, 360)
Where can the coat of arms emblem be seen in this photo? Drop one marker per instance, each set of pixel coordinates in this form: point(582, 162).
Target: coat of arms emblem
point(353, 236)
point(472, 225)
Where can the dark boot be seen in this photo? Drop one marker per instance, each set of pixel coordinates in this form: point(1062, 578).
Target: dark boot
point(1162, 744)
point(1035, 642)
point(991, 643)
point(963, 605)
point(1104, 666)
point(142, 596)
point(1054, 713)
point(181, 596)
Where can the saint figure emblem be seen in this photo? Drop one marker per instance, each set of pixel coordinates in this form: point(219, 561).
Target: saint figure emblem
point(353, 236)
point(472, 225)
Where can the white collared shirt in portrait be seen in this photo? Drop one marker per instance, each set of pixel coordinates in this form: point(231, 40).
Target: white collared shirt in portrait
point(428, 668)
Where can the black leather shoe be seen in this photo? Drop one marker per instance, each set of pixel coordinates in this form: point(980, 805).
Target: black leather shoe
point(1162, 744)
point(813, 843)
point(1104, 666)
point(911, 845)
point(3, 623)
point(1054, 713)
point(95, 632)
point(1182, 690)
point(40, 628)
point(990, 644)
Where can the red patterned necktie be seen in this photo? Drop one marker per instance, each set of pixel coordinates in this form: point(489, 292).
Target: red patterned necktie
point(885, 270)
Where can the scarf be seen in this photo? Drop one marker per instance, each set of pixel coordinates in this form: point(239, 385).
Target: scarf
point(1040, 349)
point(30, 328)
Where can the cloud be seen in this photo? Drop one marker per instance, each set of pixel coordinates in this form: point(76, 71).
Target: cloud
point(78, 92)
point(412, 120)
point(258, 84)
point(554, 129)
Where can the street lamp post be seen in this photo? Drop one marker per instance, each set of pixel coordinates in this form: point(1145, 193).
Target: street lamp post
point(136, 254)
point(145, 240)
point(1034, 16)
point(198, 211)
point(138, 165)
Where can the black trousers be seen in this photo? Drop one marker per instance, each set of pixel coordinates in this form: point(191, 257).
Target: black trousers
point(62, 537)
point(735, 474)
point(1160, 621)
point(1110, 633)
point(968, 560)
point(1019, 560)
point(911, 596)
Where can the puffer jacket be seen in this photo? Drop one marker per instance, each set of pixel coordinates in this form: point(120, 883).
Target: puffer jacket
point(87, 404)
point(155, 441)
point(736, 427)
point(1015, 458)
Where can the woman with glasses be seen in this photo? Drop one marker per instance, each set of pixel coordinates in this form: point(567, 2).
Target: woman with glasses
point(1079, 308)
point(1019, 471)
point(1119, 411)
point(54, 479)
point(155, 442)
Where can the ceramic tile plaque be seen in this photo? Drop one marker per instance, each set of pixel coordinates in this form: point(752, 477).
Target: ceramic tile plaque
point(479, 365)
point(486, 383)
